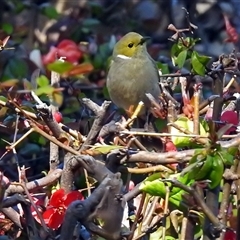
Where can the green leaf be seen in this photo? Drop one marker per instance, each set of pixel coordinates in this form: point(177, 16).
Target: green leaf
point(183, 179)
point(81, 95)
point(154, 188)
point(44, 90)
point(68, 120)
point(97, 61)
point(181, 58)
point(169, 238)
point(187, 124)
point(153, 177)
point(104, 149)
point(226, 157)
point(96, 8)
point(203, 59)
point(190, 168)
point(42, 141)
point(60, 67)
point(42, 81)
point(3, 111)
point(216, 172)
point(50, 12)
point(163, 67)
point(16, 68)
point(2, 98)
point(160, 124)
point(232, 150)
point(175, 50)
point(9, 83)
point(90, 22)
point(105, 93)
point(7, 28)
point(19, 6)
point(199, 63)
point(57, 98)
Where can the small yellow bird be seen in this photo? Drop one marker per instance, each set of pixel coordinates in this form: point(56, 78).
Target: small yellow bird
point(132, 73)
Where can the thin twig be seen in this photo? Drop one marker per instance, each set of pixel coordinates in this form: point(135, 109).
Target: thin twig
point(183, 228)
point(23, 181)
point(136, 112)
point(150, 215)
point(159, 168)
point(12, 146)
point(226, 198)
point(165, 211)
point(163, 134)
point(196, 125)
point(146, 202)
point(139, 211)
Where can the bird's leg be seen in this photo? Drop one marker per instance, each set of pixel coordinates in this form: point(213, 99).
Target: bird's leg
point(148, 126)
point(130, 110)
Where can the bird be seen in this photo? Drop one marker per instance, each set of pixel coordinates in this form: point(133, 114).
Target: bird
point(132, 74)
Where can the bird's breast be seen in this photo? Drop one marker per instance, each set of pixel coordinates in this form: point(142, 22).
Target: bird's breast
point(130, 79)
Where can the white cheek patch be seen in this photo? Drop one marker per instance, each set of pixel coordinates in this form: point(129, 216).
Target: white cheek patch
point(123, 56)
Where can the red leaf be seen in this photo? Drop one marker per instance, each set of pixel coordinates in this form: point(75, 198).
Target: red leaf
point(5, 40)
point(230, 117)
point(231, 31)
point(72, 196)
point(56, 199)
point(80, 69)
point(53, 217)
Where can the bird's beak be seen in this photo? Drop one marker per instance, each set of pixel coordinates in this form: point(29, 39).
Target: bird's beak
point(143, 40)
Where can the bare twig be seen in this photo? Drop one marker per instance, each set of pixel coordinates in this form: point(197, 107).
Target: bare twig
point(165, 212)
point(226, 198)
point(196, 125)
point(217, 225)
point(23, 180)
point(98, 122)
point(139, 211)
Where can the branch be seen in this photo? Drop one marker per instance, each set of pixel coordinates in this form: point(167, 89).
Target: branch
point(42, 182)
point(98, 122)
point(217, 225)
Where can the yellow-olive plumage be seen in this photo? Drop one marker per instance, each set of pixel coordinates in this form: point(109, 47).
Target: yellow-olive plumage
point(132, 73)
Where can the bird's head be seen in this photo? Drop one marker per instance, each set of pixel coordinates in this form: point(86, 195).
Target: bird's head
point(131, 44)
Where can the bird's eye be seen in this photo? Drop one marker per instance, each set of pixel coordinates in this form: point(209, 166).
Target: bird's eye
point(130, 45)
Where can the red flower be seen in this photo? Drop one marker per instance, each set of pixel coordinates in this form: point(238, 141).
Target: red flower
point(57, 206)
point(230, 235)
point(66, 48)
